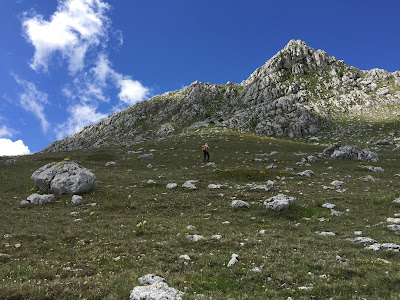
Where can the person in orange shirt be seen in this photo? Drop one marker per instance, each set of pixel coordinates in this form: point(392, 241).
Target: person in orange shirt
point(206, 152)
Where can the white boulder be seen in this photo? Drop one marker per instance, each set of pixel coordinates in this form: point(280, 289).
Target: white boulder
point(64, 178)
point(279, 202)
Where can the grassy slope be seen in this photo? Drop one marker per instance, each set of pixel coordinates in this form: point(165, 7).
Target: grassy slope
point(62, 259)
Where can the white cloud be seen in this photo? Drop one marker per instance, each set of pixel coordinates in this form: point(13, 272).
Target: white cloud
point(132, 91)
point(72, 30)
point(6, 131)
point(81, 115)
point(10, 148)
point(33, 100)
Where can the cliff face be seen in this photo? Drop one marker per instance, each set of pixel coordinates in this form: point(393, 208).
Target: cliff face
point(299, 91)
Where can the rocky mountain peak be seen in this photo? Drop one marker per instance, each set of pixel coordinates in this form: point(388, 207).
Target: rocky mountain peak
point(297, 57)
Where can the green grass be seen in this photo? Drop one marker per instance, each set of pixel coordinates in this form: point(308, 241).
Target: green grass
point(63, 259)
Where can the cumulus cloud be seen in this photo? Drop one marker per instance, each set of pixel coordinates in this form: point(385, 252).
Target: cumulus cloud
point(81, 116)
point(33, 100)
point(10, 148)
point(131, 91)
point(72, 30)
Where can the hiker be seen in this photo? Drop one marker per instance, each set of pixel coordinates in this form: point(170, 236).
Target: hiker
point(205, 149)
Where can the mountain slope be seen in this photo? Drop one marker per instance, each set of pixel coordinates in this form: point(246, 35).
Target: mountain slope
point(299, 91)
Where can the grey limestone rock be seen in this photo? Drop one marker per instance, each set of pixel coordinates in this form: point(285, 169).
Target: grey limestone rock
point(306, 173)
point(111, 164)
point(239, 203)
point(350, 153)
point(40, 199)
point(76, 199)
point(195, 237)
point(155, 291)
point(165, 130)
point(362, 240)
point(146, 156)
point(279, 202)
point(64, 178)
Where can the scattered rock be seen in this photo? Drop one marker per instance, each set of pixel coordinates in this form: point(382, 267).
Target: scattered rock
point(311, 158)
point(397, 201)
point(233, 260)
point(336, 213)
point(373, 169)
point(185, 257)
point(279, 202)
point(362, 240)
point(76, 199)
point(171, 185)
point(337, 183)
point(146, 156)
point(111, 164)
point(216, 237)
point(328, 205)
point(195, 237)
point(325, 233)
point(393, 220)
point(239, 203)
point(214, 186)
point(394, 227)
point(368, 178)
point(349, 153)
point(189, 185)
point(306, 173)
point(38, 199)
point(191, 227)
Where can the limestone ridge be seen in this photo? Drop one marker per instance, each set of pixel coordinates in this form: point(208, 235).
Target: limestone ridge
point(299, 91)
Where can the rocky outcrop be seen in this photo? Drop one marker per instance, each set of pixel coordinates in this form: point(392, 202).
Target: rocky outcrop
point(64, 178)
point(349, 153)
point(299, 91)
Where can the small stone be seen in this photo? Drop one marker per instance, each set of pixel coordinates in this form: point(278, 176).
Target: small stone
point(76, 199)
point(239, 203)
point(337, 183)
point(394, 227)
point(111, 164)
point(172, 185)
point(325, 233)
point(214, 186)
point(146, 156)
point(306, 173)
point(393, 220)
point(216, 237)
point(358, 232)
point(233, 260)
point(185, 257)
point(195, 237)
point(328, 205)
point(191, 227)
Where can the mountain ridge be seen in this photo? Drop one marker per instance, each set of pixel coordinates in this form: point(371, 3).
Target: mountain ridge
point(299, 91)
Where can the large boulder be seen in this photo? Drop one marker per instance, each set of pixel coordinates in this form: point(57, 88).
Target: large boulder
point(279, 202)
point(64, 178)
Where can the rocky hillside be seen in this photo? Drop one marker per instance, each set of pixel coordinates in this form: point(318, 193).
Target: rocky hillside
point(299, 91)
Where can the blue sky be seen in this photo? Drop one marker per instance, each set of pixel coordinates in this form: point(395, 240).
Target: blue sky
point(69, 63)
